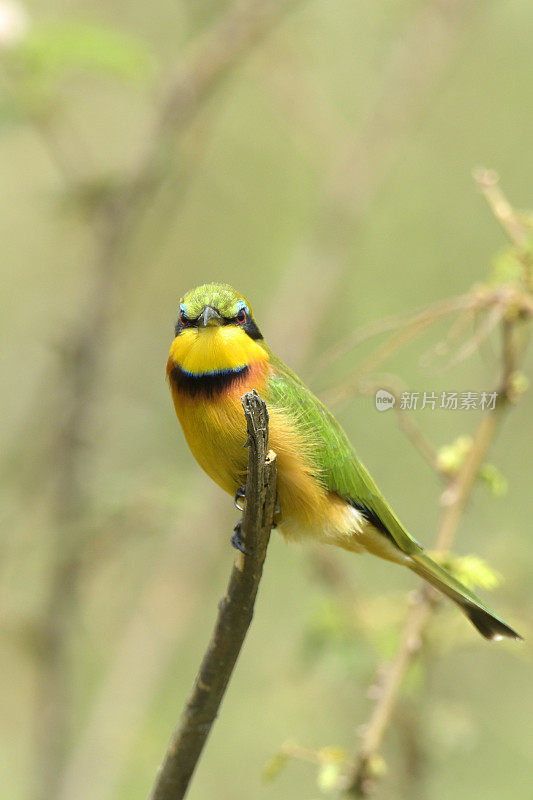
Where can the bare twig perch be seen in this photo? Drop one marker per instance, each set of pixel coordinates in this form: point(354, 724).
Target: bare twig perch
point(234, 614)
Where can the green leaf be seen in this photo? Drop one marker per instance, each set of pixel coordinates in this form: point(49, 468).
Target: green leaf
point(495, 480)
point(471, 570)
point(54, 50)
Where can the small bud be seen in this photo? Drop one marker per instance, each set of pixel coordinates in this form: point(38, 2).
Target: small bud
point(328, 776)
point(376, 765)
point(451, 457)
point(519, 383)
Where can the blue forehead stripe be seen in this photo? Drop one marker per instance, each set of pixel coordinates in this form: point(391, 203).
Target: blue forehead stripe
point(241, 305)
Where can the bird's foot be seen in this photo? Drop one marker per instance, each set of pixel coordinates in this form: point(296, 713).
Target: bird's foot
point(240, 494)
point(237, 541)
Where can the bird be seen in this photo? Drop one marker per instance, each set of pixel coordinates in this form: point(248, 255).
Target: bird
point(324, 491)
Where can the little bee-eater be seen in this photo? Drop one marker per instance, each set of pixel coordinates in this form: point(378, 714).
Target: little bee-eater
point(324, 491)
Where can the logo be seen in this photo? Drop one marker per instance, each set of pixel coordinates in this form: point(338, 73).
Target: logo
point(384, 400)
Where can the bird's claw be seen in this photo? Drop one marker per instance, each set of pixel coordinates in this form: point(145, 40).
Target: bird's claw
point(240, 494)
point(237, 541)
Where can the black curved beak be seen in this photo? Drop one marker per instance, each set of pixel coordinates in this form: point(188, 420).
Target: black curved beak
point(209, 316)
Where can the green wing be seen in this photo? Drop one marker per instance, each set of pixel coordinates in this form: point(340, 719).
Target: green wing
point(336, 462)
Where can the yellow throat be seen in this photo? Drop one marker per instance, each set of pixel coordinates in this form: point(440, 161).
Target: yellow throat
point(209, 370)
point(214, 349)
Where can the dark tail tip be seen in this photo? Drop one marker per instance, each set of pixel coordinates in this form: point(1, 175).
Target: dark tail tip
point(488, 625)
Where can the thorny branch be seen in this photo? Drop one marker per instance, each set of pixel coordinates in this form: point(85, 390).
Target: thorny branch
point(234, 616)
point(362, 778)
point(496, 301)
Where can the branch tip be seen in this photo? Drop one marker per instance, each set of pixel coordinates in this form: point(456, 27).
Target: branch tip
point(235, 612)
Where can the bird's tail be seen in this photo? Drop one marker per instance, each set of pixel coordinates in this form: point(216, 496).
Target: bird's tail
point(489, 625)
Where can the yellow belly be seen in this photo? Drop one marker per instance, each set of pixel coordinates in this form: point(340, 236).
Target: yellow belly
point(216, 434)
point(215, 430)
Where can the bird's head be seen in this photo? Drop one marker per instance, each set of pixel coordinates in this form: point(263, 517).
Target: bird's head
point(215, 331)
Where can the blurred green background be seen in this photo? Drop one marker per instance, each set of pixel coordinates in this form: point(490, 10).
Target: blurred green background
point(327, 174)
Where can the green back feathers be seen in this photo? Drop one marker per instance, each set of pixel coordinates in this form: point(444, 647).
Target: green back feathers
point(341, 471)
point(336, 461)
